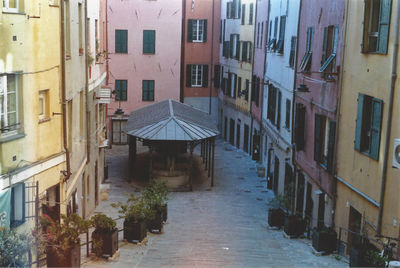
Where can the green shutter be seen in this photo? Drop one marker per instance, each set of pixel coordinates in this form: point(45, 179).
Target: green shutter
point(364, 40)
point(376, 123)
point(325, 46)
point(124, 90)
point(205, 76)
point(121, 41)
point(360, 106)
point(384, 22)
point(237, 56)
point(217, 74)
point(240, 9)
point(231, 46)
point(149, 41)
point(117, 41)
point(235, 78)
point(188, 75)
point(117, 90)
point(331, 145)
point(317, 138)
point(144, 90)
point(151, 90)
point(125, 41)
point(205, 31)
point(190, 31)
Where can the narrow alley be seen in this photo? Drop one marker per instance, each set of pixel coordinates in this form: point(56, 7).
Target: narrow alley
point(223, 226)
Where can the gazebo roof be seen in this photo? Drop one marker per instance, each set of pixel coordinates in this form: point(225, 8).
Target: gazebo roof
point(170, 120)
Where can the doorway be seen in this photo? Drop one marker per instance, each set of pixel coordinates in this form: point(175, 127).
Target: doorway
point(300, 194)
point(355, 226)
point(256, 146)
point(321, 211)
point(276, 175)
point(246, 138)
point(232, 132)
point(238, 134)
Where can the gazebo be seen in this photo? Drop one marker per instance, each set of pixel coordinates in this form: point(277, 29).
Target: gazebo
point(171, 127)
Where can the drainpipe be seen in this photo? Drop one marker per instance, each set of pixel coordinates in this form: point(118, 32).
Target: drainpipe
point(107, 67)
point(63, 93)
point(294, 100)
point(252, 74)
point(389, 122)
point(212, 58)
point(339, 87)
point(183, 43)
point(87, 86)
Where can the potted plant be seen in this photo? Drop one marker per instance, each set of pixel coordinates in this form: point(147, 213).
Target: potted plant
point(135, 212)
point(294, 225)
point(14, 248)
point(276, 216)
point(62, 241)
point(324, 239)
point(155, 196)
point(105, 235)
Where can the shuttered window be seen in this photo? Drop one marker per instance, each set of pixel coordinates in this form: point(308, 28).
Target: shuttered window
point(300, 126)
point(17, 216)
point(121, 90)
point(243, 14)
point(292, 55)
point(287, 116)
point(281, 42)
point(376, 26)
point(368, 125)
point(149, 41)
point(121, 41)
point(329, 48)
point(324, 141)
point(148, 90)
point(196, 75)
point(274, 106)
point(251, 13)
point(197, 31)
point(305, 64)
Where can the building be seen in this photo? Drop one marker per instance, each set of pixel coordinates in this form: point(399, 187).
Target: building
point(260, 55)
point(278, 94)
point(31, 143)
point(144, 57)
point(236, 58)
point(317, 84)
point(367, 170)
point(201, 75)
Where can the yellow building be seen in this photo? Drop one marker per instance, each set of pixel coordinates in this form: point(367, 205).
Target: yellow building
point(367, 182)
point(31, 148)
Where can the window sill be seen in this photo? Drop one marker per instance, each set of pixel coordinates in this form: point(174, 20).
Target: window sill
point(121, 53)
point(13, 12)
point(12, 138)
point(149, 53)
point(196, 86)
point(148, 100)
point(54, 5)
point(43, 120)
point(198, 41)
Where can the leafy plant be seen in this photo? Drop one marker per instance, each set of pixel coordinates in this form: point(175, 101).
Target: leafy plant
point(103, 223)
point(156, 194)
point(134, 209)
point(14, 248)
point(373, 258)
point(63, 235)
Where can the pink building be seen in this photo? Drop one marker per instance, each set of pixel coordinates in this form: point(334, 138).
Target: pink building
point(144, 50)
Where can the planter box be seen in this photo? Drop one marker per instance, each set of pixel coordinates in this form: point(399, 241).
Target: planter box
point(63, 258)
point(110, 241)
point(156, 223)
point(294, 226)
point(324, 241)
point(355, 257)
point(135, 232)
point(164, 212)
point(276, 217)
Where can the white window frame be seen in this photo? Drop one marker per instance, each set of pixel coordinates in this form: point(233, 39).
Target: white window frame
point(6, 6)
point(43, 94)
point(198, 31)
point(197, 75)
point(3, 106)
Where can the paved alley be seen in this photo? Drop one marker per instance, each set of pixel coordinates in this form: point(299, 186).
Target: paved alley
point(225, 226)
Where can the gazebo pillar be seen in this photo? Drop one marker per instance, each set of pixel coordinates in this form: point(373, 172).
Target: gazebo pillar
point(191, 167)
point(212, 169)
point(132, 153)
point(209, 157)
point(206, 154)
point(150, 162)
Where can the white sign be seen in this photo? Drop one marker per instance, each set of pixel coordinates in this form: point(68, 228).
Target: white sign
point(104, 95)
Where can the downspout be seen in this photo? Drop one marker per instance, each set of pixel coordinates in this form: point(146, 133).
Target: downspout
point(389, 122)
point(212, 58)
point(183, 43)
point(87, 87)
point(339, 87)
point(63, 94)
point(252, 87)
point(294, 100)
point(107, 67)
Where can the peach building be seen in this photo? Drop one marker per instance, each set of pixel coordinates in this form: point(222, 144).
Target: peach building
point(144, 57)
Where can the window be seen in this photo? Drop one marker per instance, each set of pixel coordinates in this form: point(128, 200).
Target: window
point(232, 84)
point(324, 141)
point(121, 41)
point(9, 99)
point(236, 8)
point(247, 89)
point(292, 55)
point(67, 29)
point(305, 64)
point(148, 90)
point(368, 125)
point(121, 90)
point(229, 10)
point(300, 127)
point(223, 34)
point(281, 41)
point(11, 5)
point(255, 90)
point(251, 12)
point(197, 30)
point(245, 51)
point(220, 32)
point(226, 49)
point(271, 41)
point(217, 75)
point(287, 117)
point(80, 28)
point(43, 105)
point(196, 75)
point(376, 26)
point(258, 35)
point(243, 14)
point(149, 40)
point(234, 46)
point(118, 134)
point(18, 204)
point(262, 34)
point(274, 106)
point(329, 49)
point(82, 114)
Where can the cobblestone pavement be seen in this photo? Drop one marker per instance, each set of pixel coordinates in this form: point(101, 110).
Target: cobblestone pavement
point(225, 226)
